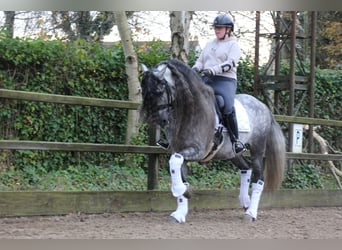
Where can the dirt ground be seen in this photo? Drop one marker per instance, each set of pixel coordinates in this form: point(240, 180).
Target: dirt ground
point(294, 223)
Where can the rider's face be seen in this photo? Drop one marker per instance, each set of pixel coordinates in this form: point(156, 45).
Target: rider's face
point(220, 32)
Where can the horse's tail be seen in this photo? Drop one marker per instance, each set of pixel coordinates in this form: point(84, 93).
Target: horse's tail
point(275, 157)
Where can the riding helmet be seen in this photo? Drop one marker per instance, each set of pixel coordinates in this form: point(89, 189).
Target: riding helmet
point(223, 20)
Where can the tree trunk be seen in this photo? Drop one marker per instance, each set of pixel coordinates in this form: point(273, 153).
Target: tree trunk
point(131, 64)
point(85, 25)
point(179, 25)
point(9, 22)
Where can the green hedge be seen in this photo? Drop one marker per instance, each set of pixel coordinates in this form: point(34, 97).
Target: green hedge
point(327, 101)
point(56, 67)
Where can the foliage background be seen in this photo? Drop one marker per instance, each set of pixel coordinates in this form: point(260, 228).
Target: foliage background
point(86, 69)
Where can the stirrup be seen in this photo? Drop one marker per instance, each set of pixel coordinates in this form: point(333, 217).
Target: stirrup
point(163, 144)
point(239, 147)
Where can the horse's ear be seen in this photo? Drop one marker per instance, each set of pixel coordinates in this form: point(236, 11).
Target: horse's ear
point(144, 68)
point(160, 71)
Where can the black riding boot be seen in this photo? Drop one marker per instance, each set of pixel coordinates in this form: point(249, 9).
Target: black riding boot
point(229, 121)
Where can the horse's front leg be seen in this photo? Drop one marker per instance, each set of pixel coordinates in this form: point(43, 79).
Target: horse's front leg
point(178, 188)
point(245, 177)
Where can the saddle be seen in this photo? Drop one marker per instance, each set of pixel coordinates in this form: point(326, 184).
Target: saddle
point(241, 114)
point(218, 140)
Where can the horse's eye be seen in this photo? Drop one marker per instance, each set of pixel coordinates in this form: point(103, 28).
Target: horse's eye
point(159, 90)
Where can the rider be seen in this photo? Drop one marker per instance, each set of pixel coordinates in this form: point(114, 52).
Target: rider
point(217, 64)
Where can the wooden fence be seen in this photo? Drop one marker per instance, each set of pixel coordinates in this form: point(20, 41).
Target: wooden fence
point(153, 151)
point(53, 203)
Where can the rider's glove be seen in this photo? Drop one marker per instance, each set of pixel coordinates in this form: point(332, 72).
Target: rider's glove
point(207, 72)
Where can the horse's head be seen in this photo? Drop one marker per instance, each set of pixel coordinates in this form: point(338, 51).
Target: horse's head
point(157, 92)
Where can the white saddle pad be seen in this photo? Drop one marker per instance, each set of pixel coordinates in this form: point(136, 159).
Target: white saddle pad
point(241, 117)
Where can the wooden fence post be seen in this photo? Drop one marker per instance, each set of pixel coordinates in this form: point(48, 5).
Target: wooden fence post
point(153, 159)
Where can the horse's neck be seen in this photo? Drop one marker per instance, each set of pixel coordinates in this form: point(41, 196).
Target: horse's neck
point(200, 122)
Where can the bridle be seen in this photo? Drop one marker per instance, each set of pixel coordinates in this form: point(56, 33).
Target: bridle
point(170, 100)
point(159, 89)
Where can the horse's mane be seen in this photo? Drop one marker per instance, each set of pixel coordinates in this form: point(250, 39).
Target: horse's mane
point(192, 96)
point(193, 101)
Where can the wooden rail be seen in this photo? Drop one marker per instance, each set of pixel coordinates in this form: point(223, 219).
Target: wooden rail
point(59, 203)
point(307, 120)
point(87, 101)
point(62, 99)
point(79, 147)
point(119, 148)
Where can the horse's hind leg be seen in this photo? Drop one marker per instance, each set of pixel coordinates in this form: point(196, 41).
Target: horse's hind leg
point(178, 188)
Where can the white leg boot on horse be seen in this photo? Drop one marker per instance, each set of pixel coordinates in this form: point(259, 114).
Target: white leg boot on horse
point(182, 210)
point(245, 178)
point(252, 211)
point(178, 187)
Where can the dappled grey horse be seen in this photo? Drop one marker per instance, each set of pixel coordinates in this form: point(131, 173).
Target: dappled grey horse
point(177, 99)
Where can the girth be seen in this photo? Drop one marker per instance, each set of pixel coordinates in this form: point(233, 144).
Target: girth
point(215, 147)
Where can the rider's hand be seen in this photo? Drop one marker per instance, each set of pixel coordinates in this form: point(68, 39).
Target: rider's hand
point(207, 72)
point(196, 69)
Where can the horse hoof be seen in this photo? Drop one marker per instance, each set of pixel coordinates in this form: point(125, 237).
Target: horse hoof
point(248, 218)
point(177, 217)
point(173, 220)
